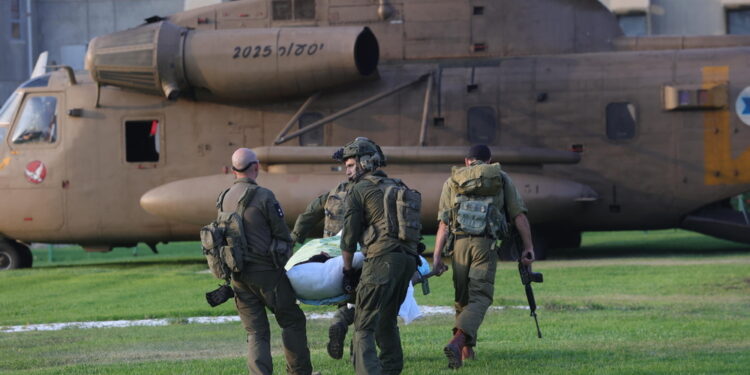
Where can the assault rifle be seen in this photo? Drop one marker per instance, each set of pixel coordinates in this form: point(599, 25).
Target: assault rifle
point(514, 244)
point(418, 278)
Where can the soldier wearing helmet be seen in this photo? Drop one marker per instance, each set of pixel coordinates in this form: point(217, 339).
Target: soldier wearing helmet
point(389, 265)
point(330, 208)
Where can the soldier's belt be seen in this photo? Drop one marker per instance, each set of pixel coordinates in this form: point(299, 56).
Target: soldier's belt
point(462, 236)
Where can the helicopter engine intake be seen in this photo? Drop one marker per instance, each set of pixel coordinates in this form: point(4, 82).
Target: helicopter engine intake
point(232, 65)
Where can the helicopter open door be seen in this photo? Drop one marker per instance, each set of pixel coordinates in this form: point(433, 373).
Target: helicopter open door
point(34, 169)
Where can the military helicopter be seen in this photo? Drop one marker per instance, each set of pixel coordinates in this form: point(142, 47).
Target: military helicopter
point(599, 131)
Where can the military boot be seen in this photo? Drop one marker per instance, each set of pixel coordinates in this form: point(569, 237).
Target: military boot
point(336, 336)
point(468, 353)
point(454, 349)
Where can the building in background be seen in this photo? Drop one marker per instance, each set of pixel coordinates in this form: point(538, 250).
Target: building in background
point(681, 17)
point(64, 28)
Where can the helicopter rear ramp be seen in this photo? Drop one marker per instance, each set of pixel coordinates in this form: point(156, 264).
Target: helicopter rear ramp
point(719, 221)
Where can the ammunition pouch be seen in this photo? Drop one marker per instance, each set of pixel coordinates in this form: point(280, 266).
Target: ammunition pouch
point(447, 249)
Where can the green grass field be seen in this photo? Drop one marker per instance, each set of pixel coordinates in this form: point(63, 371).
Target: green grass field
point(662, 302)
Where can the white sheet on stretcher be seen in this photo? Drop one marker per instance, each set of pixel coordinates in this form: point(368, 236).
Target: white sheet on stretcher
point(321, 283)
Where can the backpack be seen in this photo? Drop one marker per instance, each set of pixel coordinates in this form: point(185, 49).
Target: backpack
point(475, 212)
point(480, 179)
point(334, 211)
point(224, 242)
point(402, 208)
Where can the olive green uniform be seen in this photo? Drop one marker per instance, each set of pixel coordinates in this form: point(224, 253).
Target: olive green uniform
point(262, 285)
point(386, 273)
point(330, 208)
point(475, 258)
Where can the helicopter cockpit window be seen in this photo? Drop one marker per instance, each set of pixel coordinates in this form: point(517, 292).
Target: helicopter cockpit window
point(41, 81)
point(313, 137)
point(621, 120)
point(37, 122)
point(142, 141)
point(293, 9)
point(9, 108)
point(481, 125)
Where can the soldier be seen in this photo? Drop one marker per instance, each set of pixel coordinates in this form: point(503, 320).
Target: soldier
point(389, 260)
point(328, 206)
point(263, 282)
point(474, 219)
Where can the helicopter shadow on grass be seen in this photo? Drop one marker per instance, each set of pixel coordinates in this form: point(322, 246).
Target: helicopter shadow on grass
point(129, 264)
point(641, 245)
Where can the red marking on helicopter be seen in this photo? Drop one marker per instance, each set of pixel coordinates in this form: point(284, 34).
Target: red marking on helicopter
point(35, 172)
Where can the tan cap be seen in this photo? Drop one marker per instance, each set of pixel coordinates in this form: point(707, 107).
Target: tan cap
point(243, 158)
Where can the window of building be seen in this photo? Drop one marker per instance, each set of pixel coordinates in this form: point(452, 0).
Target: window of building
point(621, 120)
point(15, 9)
point(313, 137)
point(633, 24)
point(293, 9)
point(481, 125)
point(37, 122)
point(142, 141)
point(738, 21)
point(15, 16)
point(15, 30)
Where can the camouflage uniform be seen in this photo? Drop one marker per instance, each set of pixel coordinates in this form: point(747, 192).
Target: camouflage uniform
point(475, 258)
point(329, 207)
point(386, 274)
point(262, 285)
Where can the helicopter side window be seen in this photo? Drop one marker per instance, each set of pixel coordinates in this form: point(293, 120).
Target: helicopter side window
point(9, 108)
point(481, 125)
point(621, 121)
point(313, 137)
point(3, 131)
point(142, 141)
point(293, 9)
point(37, 123)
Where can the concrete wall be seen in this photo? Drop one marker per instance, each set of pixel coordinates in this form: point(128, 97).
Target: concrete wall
point(13, 60)
point(680, 17)
point(72, 23)
point(687, 17)
point(64, 28)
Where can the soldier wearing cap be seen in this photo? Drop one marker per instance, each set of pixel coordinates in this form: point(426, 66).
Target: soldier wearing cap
point(474, 243)
point(388, 267)
point(263, 283)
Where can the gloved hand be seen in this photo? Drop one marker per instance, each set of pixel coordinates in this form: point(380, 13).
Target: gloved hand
point(219, 295)
point(351, 279)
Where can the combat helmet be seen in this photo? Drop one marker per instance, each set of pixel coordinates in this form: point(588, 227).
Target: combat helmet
point(368, 153)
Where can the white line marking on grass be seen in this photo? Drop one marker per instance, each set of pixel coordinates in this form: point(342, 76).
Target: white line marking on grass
point(426, 311)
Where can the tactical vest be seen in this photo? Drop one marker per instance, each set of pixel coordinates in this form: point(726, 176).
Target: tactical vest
point(335, 210)
point(401, 207)
point(224, 242)
point(475, 211)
